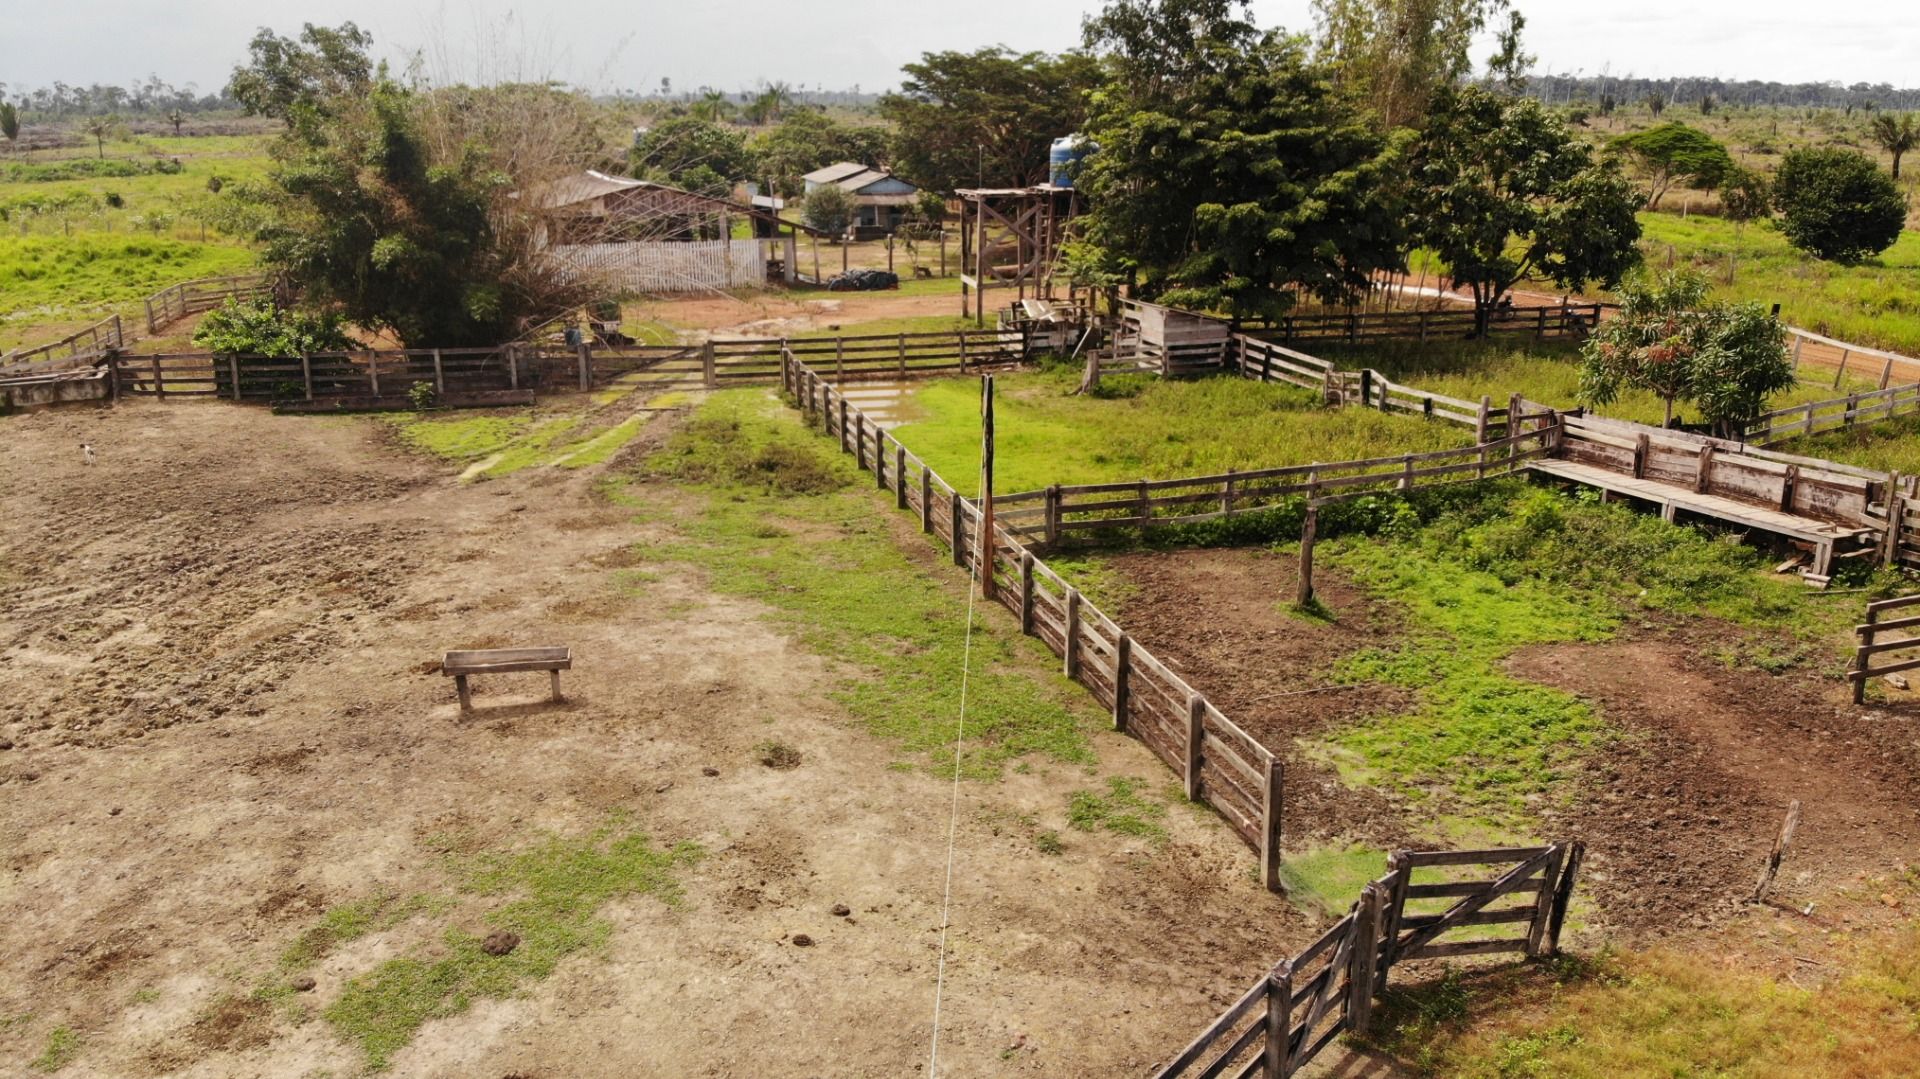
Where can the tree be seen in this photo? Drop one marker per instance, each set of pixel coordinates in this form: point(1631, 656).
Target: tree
point(1896, 135)
point(1397, 54)
point(9, 122)
point(1745, 196)
point(1656, 105)
point(809, 139)
point(1507, 68)
point(697, 155)
point(176, 118)
point(712, 107)
point(258, 328)
point(1836, 204)
point(965, 119)
point(295, 80)
point(1670, 340)
point(100, 127)
point(1502, 191)
point(771, 103)
point(828, 209)
point(1674, 152)
point(1231, 174)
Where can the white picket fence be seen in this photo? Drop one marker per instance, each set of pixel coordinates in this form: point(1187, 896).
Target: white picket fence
point(669, 266)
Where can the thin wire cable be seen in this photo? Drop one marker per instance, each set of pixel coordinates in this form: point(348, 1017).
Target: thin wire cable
point(953, 820)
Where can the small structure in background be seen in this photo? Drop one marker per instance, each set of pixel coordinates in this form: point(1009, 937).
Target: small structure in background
point(1012, 238)
point(649, 237)
point(881, 200)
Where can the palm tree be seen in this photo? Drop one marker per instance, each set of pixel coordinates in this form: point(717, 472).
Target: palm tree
point(1896, 135)
point(176, 118)
point(773, 100)
point(712, 107)
point(100, 127)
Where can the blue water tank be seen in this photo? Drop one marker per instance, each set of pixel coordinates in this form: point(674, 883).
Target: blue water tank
point(1064, 157)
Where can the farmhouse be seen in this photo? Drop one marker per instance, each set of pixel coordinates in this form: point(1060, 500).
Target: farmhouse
point(651, 237)
point(880, 199)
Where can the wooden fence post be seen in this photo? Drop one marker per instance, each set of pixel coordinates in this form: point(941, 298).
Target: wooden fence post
point(373, 371)
point(1563, 896)
point(513, 366)
point(839, 360)
point(1640, 447)
point(1053, 514)
point(709, 377)
point(233, 372)
point(1364, 956)
point(959, 532)
point(1122, 675)
point(1270, 826)
point(1703, 471)
point(1543, 902)
point(1480, 421)
point(1026, 593)
point(899, 477)
point(926, 499)
point(1196, 734)
point(439, 375)
point(843, 426)
point(1396, 910)
point(903, 353)
point(1842, 372)
point(585, 356)
point(159, 382)
point(1226, 494)
point(1307, 529)
point(1277, 1062)
point(1069, 652)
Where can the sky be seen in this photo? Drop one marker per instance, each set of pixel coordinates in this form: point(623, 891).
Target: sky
point(604, 45)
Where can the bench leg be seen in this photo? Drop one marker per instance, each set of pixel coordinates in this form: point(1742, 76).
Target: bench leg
point(466, 699)
point(1667, 510)
point(1823, 559)
point(556, 685)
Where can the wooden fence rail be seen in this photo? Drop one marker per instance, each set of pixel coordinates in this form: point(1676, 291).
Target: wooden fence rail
point(1219, 762)
point(1563, 320)
point(176, 302)
point(1298, 1008)
point(1866, 665)
point(1782, 424)
point(81, 345)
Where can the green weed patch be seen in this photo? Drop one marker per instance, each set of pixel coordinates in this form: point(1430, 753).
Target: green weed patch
point(788, 521)
point(1120, 809)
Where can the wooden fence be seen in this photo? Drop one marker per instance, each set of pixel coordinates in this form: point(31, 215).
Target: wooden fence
point(1814, 351)
point(1219, 762)
point(1063, 512)
point(73, 350)
point(1781, 424)
point(1562, 320)
point(176, 302)
point(1872, 645)
point(1297, 1009)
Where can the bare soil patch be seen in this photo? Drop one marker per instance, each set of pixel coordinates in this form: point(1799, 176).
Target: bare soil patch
point(219, 689)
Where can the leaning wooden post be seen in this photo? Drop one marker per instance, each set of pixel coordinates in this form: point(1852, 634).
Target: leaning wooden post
point(987, 544)
point(1842, 372)
point(1277, 1053)
point(1543, 902)
point(1307, 529)
point(1122, 676)
point(1196, 735)
point(1779, 853)
point(1364, 957)
point(1563, 897)
point(1069, 649)
point(1270, 826)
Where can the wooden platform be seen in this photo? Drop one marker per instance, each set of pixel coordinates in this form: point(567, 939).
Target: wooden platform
point(1824, 535)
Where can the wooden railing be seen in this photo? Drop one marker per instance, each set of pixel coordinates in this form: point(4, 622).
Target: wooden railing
point(1298, 1008)
point(1812, 350)
point(81, 345)
point(1781, 424)
point(1062, 512)
point(1866, 665)
point(1219, 762)
point(1562, 320)
point(176, 302)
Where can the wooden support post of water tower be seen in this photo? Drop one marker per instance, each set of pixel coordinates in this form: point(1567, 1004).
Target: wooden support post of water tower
point(985, 549)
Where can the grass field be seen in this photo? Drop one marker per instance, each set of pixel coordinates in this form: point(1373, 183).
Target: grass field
point(1138, 426)
point(51, 283)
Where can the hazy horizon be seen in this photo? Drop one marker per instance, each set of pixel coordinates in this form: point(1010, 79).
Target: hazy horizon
point(848, 44)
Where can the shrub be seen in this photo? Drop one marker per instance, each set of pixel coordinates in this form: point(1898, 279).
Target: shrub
point(829, 209)
point(258, 328)
point(1837, 204)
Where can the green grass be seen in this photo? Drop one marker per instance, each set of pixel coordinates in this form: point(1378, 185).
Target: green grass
point(1889, 446)
point(786, 520)
point(47, 283)
point(349, 922)
point(1120, 810)
point(460, 436)
point(1876, 303)
point(63, 1044)
point(1328, 879)
point(1139, 427)
point(1544, 371)
point(549, 895)
point(856, 327)
point(1482, 573)
point(514, 440)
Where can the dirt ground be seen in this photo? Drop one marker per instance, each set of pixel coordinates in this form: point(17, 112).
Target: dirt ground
point(219, 716)
point(775, 313)
point(1678, 814)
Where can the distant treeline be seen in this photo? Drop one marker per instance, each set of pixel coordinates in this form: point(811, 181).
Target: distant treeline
point(151, 96)
point(1629, 90)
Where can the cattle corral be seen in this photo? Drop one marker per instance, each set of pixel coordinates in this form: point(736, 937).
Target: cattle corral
point(253, 639)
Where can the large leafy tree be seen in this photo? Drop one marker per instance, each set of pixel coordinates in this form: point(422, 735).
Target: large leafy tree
point(9, 122)
point(697, 155)
point(810, 139)
point(1674, 152)
point(1397, 54)
point(1670, 339)
point(298, 80)
point(1230, 173)
point(1836, 204)
point(964, 118)
point(1503, 192)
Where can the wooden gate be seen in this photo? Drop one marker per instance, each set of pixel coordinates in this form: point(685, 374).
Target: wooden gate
point(1300, 1006)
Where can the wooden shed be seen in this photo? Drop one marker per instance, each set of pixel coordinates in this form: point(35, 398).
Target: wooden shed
point(1175, 341)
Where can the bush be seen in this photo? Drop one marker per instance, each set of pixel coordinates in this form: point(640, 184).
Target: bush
point(258, 328)
point(1837, 204)
point(829, 209)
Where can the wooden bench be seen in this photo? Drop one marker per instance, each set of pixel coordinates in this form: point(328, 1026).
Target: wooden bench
point(459, 665)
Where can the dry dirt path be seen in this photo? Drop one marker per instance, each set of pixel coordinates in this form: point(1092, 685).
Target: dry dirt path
point(215, 687)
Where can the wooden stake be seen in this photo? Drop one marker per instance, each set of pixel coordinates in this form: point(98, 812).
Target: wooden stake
point(1122, 670)
point(986, 486)
point(1307, 530)
point(1779, 854)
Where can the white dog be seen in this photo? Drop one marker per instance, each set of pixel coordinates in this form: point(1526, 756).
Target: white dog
point(86, 451)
